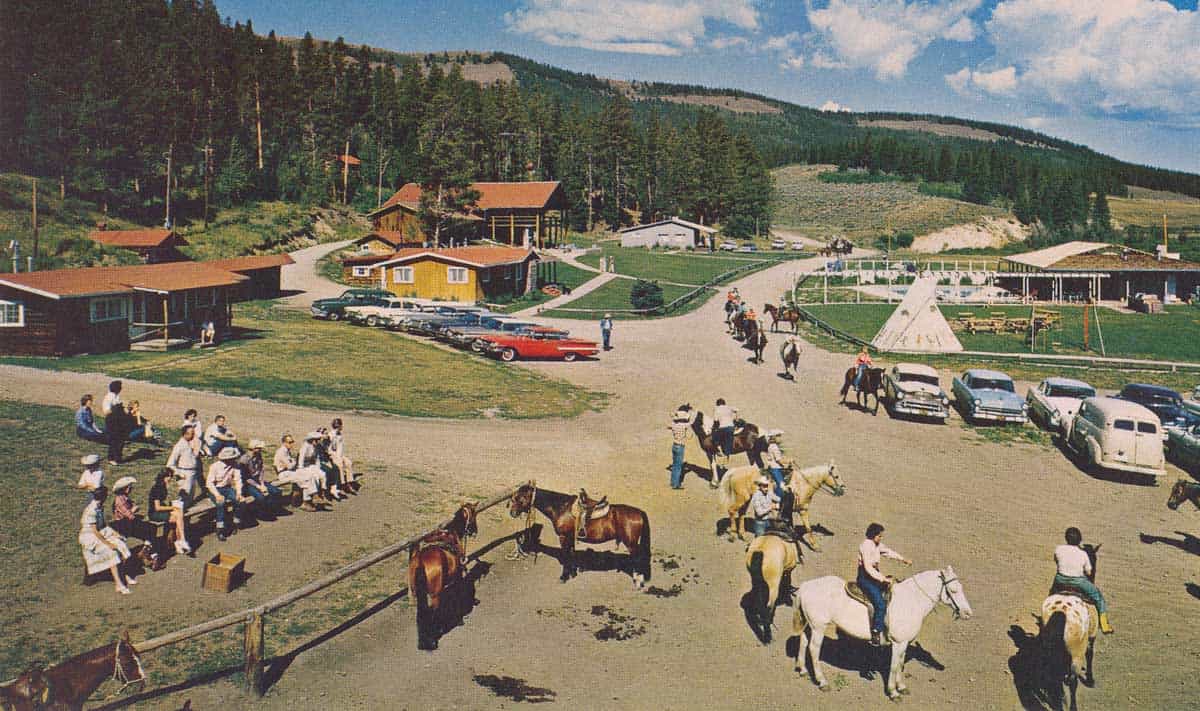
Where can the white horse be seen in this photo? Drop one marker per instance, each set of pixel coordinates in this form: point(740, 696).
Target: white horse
point(823, 602)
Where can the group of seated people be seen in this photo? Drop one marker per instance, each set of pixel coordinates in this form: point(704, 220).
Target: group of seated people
point(320, 468)
point(122, 424)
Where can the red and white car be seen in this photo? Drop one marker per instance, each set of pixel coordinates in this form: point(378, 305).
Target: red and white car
point(542, 343)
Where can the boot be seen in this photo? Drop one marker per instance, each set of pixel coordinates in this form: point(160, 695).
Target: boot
point(875, 642)
point(1104, 626)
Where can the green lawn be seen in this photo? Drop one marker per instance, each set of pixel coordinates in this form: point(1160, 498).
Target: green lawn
point(284, 352)
point(679, 267)
point(615, 295)
point(569, 276)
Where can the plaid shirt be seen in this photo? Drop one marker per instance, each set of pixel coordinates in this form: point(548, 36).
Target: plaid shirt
point(679, 432)
point(123, 508)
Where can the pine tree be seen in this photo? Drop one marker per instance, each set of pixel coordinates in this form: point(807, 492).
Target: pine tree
point(1101, 218)
point(446, 167)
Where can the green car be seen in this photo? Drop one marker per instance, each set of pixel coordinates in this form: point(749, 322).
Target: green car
point(334, 309)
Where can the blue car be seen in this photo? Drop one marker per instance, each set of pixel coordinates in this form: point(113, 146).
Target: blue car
point(989, 395)
point(1164, 402)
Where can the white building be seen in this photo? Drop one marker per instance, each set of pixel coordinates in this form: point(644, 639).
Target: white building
point(674, 232)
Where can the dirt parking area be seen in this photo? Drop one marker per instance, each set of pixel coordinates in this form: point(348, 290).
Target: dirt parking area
point(994, 510)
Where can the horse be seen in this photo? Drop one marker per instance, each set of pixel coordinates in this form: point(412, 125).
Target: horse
point(770, 560)
point(1184, 491)
point(1067, 629)
point(786, 313)
point(749, 440)
point(435, 566)
point(737, 325)
point(730, 308)
point(738, 486)
point(824, 601)
point(756, 340)
point(789, 353)
point(871, 384)
point(27, 692)
point(627, 525)
point(73, 681)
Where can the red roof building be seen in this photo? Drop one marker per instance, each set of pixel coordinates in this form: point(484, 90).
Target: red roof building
point(152, 245)
point(530, 214)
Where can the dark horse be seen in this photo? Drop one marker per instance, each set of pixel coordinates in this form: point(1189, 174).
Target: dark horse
point(25, 693)
point(872, 383)
point(756, 339)
point(70, 683)
point(749, 440)
point(627, 525)
point(1184, 491)
point(738, 325)
point(435, 569)
point(785, 313)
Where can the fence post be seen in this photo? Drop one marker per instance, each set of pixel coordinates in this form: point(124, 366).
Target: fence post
point(254, 653)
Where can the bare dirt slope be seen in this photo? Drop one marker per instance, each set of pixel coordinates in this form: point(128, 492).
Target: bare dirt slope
point(948, 496)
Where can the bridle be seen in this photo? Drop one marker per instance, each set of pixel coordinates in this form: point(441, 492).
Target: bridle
point(821, 484)
point(529, 517)
point(119, 674)
point(943, 592)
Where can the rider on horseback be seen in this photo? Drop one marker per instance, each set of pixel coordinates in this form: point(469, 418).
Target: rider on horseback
point(722, 434)
point(773, 459)
point(872, 580)
point(763, 503)
point(861, 363)
point(1074, 567)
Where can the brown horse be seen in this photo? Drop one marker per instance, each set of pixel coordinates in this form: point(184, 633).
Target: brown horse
point(435, 567)
point(786, 313)
point(756, 340)
point(749, 440)
point(737, 325)
point(627, 525)
point(1184, 491)
point(872, 383)
point(25, 693)
point(73, 681)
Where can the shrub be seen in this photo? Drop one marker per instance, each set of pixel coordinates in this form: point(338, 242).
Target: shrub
point(646, 295)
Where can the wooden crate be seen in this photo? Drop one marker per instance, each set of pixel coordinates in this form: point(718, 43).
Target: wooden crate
point(223, 572)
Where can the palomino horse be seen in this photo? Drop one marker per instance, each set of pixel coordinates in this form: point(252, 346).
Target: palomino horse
point(789, 353)
point(823, 602)
point(1184, 491)
point(435, 566)
point(27, 692)
point(871, 384)
point(786, 313)
point(749, 440)
point(627, 525)
point(73, 681)
point(738, 486)
point(756, 340)
point(1067, 629)
point(770, 560)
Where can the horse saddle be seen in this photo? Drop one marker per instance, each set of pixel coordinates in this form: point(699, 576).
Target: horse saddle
point(587, 509)
point(441, 539)
point(856, 593)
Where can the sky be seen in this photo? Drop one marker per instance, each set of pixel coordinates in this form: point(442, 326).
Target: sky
point(1120, 76)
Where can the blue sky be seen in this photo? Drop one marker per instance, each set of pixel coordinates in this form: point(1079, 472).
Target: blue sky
point(1121, 76)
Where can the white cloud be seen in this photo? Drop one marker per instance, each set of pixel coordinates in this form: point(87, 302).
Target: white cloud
point(665, 27)
point(728, 42)
point(886, 35)
point(1036, 122)
point(820, 60)
point(834, 106)
point(792, 62)
point(1106, 57)
point(782, 42)
point(1002, 81)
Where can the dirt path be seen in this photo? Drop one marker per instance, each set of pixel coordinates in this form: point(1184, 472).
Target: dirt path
point(948, 496)
point(303, 277)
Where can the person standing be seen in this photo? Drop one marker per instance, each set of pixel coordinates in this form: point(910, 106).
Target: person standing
point(337, 454)
point(115, 423)
point(872, 580)
point(184, 461)
point(681, 424)
point(606, 326)
point(224, 484)
point(85, 422)
point(1074, 571)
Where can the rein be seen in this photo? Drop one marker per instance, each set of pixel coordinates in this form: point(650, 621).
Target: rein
point(833, 490)
point(945, 586)
point(119, 674)
point(520, 551)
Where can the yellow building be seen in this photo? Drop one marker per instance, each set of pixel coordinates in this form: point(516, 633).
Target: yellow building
point(466, 274)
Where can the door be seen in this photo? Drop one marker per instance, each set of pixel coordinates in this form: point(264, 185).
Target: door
point(1149, 445)
point(1169, 291)
point(1120, 442)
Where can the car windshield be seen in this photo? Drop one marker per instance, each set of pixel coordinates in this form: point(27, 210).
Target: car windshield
point(991, 384)
point(514, 326)
point(919, 378)
point(1075, 391)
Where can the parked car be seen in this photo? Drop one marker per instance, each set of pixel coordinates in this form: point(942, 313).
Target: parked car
point(914, 389)
point(797, 247)
point(1108, 433)
point(748, 247)
point(1192, 404)
point(334, 308)
point(1183, 448)
point(1164, 402)
point(375, 314)
point(988, 395)
point(509, 347)
point(468, 319)
point(1054, 402)
point(728, 247)
point(472, 336)
point(778, 244)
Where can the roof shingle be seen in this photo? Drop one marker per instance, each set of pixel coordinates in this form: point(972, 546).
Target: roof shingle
point(93, 281)
point(134, 238)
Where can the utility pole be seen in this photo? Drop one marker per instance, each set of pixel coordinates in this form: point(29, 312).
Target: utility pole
point(207, 179)
point(35, 225)
point(1164, 235)
point(170, 156)
point(258, 123)
point(346, 173)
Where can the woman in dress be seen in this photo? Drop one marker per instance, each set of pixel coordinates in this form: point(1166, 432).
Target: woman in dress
point(103, 548)
point(161, 508)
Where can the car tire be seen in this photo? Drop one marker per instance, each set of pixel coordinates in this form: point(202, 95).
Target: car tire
point(372, 321)
point(477, 346)
point(570, 357)
point(508, 355)
point(335, 316)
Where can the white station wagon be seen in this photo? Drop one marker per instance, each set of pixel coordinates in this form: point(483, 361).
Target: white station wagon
point(1119, 435)
point(1053, 404)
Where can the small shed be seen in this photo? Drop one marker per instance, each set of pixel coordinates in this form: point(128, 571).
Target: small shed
point(263, 273)
point(674, 233)
point(153, 246)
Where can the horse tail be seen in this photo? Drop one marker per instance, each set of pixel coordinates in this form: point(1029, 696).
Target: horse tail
point(644, 547)
point(846, 384)
point(759, 590)
point(799, 622)
point(419, 588)
point(1055, 655)
point(727, 494)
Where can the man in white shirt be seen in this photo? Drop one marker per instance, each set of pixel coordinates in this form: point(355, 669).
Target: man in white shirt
point(1074, 571)
point(762, 503)
point(872, 580)
point(224, 484)
point(218, 436)
point(185, 462)
point(723, 417)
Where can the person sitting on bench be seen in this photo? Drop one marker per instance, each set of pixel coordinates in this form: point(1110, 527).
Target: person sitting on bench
point(287, 472)
point(103, 548)
point(162, 510)
point(92, 477)
point(218, 436)
point(224, 484)
point(267, 496)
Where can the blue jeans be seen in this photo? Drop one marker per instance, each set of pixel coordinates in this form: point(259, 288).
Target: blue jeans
point(1085, 586)
point(777, 475)
point(606, 334)
point(92, 436)
point(271, 498)
point(137, 434)
point(862, 369)
point(723, 436)
point(676, 465)
point(230, 496)
point(874, 591)
point(758, 526)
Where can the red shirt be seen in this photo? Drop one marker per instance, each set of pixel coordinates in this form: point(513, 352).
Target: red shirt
point(123, 508)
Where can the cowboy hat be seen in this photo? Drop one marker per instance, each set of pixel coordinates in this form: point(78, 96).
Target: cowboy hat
point(681, 416)
point(257, 444)
point(772, 434)
point(313, 435)
point(228, 453)
point(88, 460)
point(124, 482)
point(763, 481)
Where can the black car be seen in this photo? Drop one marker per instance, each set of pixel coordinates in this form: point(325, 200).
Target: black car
point(1164, 402)
point(334, 309)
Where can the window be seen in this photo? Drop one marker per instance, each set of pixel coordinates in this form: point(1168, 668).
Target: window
point(456, 275)
point(113, 308)
point(1147, 428)
point(364, 248)
point(12, 313)
point(1126, 425)
point(361, 271)
point(485, 275)
point(402, 275)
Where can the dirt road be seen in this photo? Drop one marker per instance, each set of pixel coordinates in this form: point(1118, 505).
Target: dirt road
point(995, 511)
